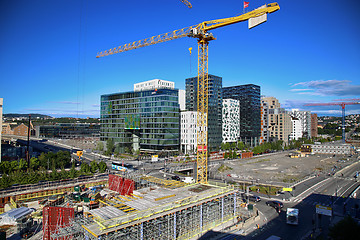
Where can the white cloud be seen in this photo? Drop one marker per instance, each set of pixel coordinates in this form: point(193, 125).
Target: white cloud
point(328, 88)
point(300, 89)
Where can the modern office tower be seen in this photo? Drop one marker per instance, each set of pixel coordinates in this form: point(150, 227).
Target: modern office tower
point(1, 110)
point(146, 120)
point(250, 119)
point(153, 84)
point(296, 129)
point(214, 107)
point(188, 132)
point(314, 125)
point(230, 120)
point(305, 120)
point(280, 125)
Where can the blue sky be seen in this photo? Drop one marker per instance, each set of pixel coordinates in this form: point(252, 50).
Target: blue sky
point(308, 51)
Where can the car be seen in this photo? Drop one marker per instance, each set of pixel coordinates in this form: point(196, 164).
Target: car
point(275, 204)
point(177, 178)
point(254, 198)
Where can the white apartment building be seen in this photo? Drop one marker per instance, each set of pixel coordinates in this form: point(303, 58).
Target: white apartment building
point(182, 95)
point(264, 115)
point(153, 84)
point(305, 121)
point(188, 132)
point(296, 129)
point(230, 120)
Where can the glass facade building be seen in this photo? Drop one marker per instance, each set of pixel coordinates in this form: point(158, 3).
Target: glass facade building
point(68, 130)
point(146, 120)
point(250, 117)
point(214, 107)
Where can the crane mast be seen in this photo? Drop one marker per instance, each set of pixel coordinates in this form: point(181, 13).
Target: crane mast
point(199, 31)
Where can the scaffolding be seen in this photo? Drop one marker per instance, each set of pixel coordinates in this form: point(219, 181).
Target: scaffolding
point(182, 218)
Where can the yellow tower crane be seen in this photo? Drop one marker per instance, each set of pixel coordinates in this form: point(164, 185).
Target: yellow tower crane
point(201, 32)
point(187, 3)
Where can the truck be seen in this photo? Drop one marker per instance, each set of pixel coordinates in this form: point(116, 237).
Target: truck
point(292, 216)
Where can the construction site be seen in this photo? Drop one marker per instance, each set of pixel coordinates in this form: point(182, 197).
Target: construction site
point(161, 209)
point(126, 206)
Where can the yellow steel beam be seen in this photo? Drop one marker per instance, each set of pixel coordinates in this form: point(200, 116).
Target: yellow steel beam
point(161, 198)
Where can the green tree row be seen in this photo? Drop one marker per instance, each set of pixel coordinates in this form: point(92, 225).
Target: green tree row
point(18, 172)
point(233, 146)
point(30, 176)
point(48, 160)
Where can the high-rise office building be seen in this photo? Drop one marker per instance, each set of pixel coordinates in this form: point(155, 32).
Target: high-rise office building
point(214, 107)
point(145, 120)
point(250, 119)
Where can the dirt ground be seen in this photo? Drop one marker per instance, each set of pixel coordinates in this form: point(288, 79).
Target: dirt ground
point(279, 168)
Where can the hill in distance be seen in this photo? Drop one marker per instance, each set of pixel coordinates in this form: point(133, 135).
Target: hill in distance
point(20, 115)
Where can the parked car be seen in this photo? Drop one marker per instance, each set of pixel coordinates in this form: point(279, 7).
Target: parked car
point(177, 178)
point(275, 204)
point(254, 198)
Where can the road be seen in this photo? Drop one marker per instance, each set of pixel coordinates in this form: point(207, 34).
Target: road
point(333, 191)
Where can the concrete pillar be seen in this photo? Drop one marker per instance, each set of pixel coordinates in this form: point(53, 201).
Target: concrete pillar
point(175, 225)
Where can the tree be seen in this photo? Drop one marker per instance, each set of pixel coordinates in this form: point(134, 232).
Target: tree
point(34, 163)
point(100, 146)
point(5, 166)
point(85, 168)
point(347, 228)
point(22, 164)
point(102, 167)
point(54, 175)
point(64, 174)
point(117, 149)
point(33, 176)
point(43, 160)
point(233, 145)
point(5, 181)
point(63, 159)
point(94, 166)
point(73, 173)
point(109, 146)
point(13, 166)
point(240, 145)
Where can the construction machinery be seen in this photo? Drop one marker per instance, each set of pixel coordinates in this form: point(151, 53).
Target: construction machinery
point(201, 32)
point(342, 104)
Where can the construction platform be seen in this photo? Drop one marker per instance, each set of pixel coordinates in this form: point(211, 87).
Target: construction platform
point(164, 213)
